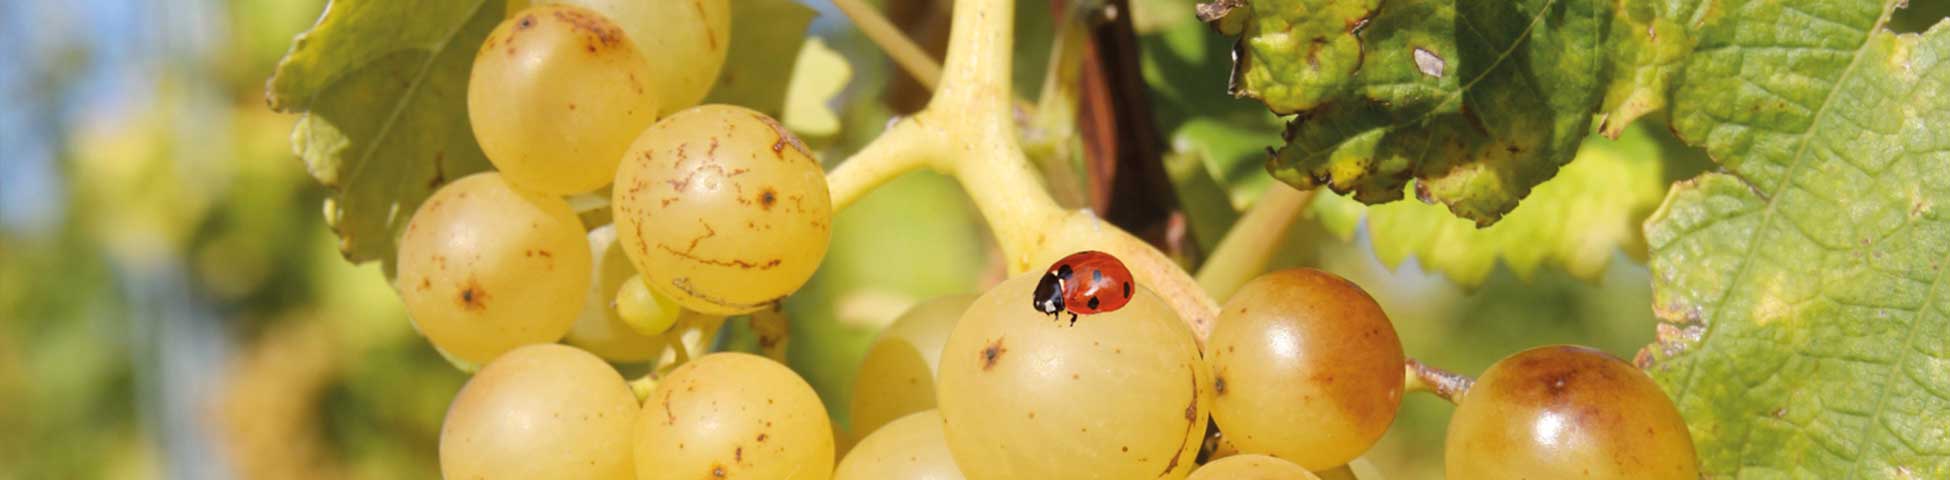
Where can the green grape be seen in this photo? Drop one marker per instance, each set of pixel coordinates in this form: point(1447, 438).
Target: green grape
point(913, 447)
point(556, 95)
point(644, 310)
point(1306, 367)
point(897, 376)
point(540, 412)
point(722, 209)
point(1251, 467)
point(599, 329)
point(688, 40)
point(1121, 394)
point(1567, 412)
point(484, 268)
point(733, 415)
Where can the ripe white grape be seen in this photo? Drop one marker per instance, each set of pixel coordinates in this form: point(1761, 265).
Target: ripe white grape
point(897, 376)
point(722, 209)
point(540, 412)
point(1122, 394)
point(913, 447)
point(484, 268)
point(1251, 467)
point(686, 41)
point(733, 415)
point(556, 94)
point(599, 329)
point(1307, 368)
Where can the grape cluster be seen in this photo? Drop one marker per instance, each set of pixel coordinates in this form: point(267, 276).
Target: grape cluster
point(717, 210)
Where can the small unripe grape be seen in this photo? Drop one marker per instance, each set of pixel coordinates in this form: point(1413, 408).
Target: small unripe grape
point(644, 310)
point(913, 447)
point(484, 268)
point(722, 209)
point(540, 412)
point(685, 41)
point(1306, 367)
point(1567, 412)
point(1251, 467)
point(599, 329)
point(897, 376)
point(556, 94)
point(733, 415)
point(1121, 394)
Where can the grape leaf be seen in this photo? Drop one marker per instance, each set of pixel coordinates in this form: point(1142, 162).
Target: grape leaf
point(383, 89)
point(1807, 320)
point(765, 39)
point(1480, 100)
point(1576, 222)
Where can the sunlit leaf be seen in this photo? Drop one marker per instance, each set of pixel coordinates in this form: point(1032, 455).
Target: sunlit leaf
point(765, 39)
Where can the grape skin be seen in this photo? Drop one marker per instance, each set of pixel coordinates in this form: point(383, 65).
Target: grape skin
point(1567, 412)
point(1119, 395)
point(722, 209)
point(1251, 466)
point(913, 447)
point(733, 415)
point(555, 96)
point(1307, 368)
point(540, 412)
point(897, 376)
point(484, 268)
point(599, 329)
point(688, 41)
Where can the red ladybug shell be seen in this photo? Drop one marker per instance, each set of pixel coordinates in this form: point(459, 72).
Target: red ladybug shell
point(1083, 283)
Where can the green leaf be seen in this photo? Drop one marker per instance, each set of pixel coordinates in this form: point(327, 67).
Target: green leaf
point(1807, 314)
point(383, 89)
point(1479, 100)
point(765, 40)
point(1576, 222)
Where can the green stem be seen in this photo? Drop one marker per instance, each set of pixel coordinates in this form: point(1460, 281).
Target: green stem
point(1244, 251)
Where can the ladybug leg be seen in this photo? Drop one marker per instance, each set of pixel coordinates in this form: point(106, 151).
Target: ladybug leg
point(1073, 319)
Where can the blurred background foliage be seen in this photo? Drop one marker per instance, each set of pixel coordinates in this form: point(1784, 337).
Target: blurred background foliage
point(171, 304)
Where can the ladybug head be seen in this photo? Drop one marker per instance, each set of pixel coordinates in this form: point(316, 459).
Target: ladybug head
point(1049, 294)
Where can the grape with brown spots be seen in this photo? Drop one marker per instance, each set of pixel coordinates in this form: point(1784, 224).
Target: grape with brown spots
point(685, 39)
point(897, 376)
point(733, 415)
point(540, 412)
point(556, 94)
point(1567, 412)
point(1122, 394)
point(484, 268)
point(913, 447)
point(722, 209)
point(1306, 368)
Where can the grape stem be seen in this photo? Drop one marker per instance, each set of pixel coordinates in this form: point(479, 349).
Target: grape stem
point(969, 130)
point(1421, 377)
point(1246, 248)
point(909, 55)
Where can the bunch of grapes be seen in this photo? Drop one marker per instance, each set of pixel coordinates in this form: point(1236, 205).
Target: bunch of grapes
point(717, 210)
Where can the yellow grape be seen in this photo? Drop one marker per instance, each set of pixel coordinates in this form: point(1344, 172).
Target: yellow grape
point(897, 376)
point(733, 415)
point(1567, 412)
point(1251, 466)
point(484, 268)
point(722, 209)
point(1122, 394)
point(1306, 367)
point(644, 310)
point(686, 41)
point(599, 329)
point(556, 94)
point(540, 412)
point(909, 448)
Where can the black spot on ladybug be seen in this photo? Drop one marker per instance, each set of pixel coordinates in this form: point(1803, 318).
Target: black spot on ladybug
point(991, 353)
point(1127, 289)
point(1093, 302)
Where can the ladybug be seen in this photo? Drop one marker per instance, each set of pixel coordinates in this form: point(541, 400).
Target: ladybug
point(1085, 282)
